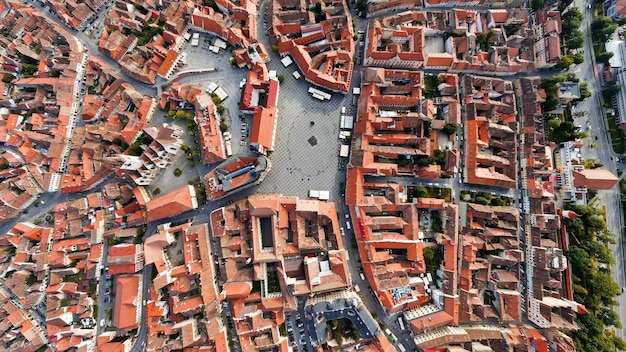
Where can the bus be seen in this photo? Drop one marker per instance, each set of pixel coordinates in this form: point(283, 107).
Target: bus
point(401, 323)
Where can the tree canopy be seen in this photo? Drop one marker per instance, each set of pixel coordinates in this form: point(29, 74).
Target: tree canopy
point(589, 257)
point(602, 28)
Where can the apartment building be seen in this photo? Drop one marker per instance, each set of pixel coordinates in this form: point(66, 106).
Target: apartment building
point(145, 169)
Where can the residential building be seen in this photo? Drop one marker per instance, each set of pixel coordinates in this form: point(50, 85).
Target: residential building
point(490, 264)
point(321, 310)
point(145, 169)
point(125, 259)
point(547, 38)
point(173, 203)
point(410, 40)
point(191, 286)
point(235, 174)
point(545, 277)
point(490, 124)
point(615, 8)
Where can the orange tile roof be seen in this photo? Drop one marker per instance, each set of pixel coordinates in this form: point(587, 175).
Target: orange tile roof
point(126, 304)
point(170, 59)
point(173, 203)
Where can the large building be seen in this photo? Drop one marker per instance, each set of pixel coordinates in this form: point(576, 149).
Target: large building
point(573, 180)
point(260, 98)
point(145, 169)
point(274, 249)
point(545, 276)
point(398, 130)
point(127, 310)
point(235, 174)
point(173, 203)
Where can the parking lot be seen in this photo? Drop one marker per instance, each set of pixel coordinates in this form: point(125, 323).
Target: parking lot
point(296, 332)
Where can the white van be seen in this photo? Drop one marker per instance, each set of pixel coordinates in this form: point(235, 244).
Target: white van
point(348, 225)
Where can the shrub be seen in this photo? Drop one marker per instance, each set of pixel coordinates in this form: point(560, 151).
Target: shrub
point(178, 172)
point(7, 78)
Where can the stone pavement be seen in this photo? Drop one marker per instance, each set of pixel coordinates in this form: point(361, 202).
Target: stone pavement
point(299, 166)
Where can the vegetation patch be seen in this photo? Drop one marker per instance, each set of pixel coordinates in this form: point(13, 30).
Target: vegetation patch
point(590, 259)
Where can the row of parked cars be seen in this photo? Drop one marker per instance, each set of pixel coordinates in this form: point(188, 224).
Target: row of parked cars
point(301, 346)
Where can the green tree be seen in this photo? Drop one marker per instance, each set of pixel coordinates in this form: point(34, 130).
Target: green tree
point(564, 4)
point(113, 241)
point(280, 77)
point(180, 114)
point(609, 317)
point(602, 28)
point(450, 128)
point(604, 56)
point(565, 62)
point(482, 200)
point(433, 259)
point(420, 192)
point(178, 172)
point(482, 40)
point(211, 3)
point(612, 90)
point(156, 191)
point(578, 58)
point(361, 5)
point(551, 103)
point(7, 77)
point(135, 149)
point(537, 5)
point(584, 91)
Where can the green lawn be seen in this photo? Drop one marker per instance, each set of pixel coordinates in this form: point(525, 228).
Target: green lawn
point(617, 136)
